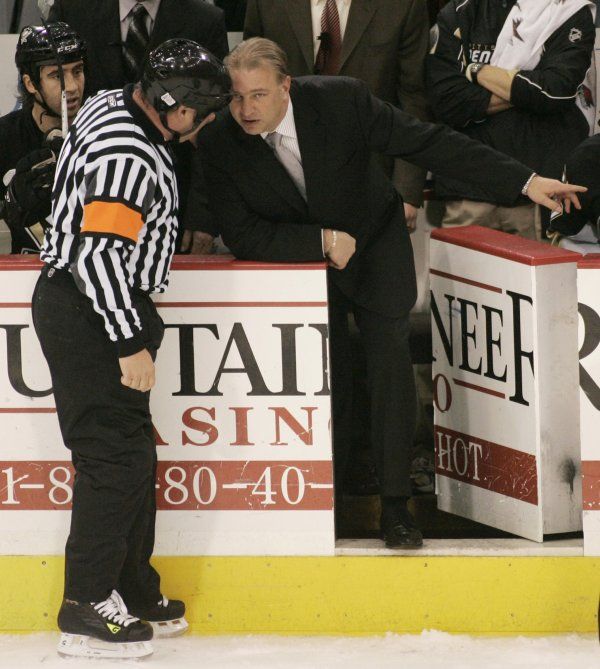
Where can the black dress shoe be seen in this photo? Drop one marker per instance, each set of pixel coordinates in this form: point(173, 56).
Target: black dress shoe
point(399, 530)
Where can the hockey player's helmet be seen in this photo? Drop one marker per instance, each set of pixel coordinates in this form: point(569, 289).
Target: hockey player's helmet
point(46, 45)
point(181, 72)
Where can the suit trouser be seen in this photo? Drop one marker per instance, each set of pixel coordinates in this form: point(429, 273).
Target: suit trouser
point(391, 386)
point(108, 429)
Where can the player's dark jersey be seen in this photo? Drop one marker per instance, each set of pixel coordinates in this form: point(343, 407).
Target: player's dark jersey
point(19, 136)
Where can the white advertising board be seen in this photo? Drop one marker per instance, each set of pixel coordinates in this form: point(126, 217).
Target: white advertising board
point(241, 411)
point(588, 280)
point(504, 319)
point(8, 74)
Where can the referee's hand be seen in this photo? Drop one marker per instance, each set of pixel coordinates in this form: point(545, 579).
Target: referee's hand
point(138, 371)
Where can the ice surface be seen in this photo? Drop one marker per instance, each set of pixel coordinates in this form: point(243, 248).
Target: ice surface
point(429, 650)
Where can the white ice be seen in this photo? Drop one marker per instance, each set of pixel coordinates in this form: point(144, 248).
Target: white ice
point(429, 650)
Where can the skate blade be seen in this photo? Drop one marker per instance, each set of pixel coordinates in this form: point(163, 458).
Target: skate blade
point(169, 628)
point(77, 645)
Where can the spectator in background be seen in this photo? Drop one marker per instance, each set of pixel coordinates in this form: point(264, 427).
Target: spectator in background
point(119, 34)
point(509, 74)
point(30, 137)
point(382, 43)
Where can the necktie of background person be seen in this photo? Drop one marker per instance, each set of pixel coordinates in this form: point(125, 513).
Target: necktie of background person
point(287, 158)
point(136, 42)
point(330, 48)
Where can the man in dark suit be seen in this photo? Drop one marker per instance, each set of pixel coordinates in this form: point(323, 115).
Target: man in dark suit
point(116, 51)
point(383, 43)
point(317, 193)
point(104, 24)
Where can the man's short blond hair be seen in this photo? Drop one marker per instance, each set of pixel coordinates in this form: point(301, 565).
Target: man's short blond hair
point(258, 52)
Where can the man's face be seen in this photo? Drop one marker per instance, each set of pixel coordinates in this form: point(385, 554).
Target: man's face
point(259, 100)
point(50, 86)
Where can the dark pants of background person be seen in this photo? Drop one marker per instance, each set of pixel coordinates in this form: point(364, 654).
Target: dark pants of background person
point(108, 429)
point(391, 386)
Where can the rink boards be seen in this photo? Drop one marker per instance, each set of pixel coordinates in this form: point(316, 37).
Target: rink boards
point(506, 387)
point(588, 280)
point(241, 413)
point(350, 594)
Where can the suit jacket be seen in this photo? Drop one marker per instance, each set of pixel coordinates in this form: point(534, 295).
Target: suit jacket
point(235, 11)
point(339, 124)
point(385, 44)
point(97, 21)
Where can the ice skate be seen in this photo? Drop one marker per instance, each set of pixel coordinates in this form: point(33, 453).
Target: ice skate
point(166, 617)
point(102, 630)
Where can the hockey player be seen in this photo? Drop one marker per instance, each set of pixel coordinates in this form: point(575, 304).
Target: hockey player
point(30, 137)
point(110, 247)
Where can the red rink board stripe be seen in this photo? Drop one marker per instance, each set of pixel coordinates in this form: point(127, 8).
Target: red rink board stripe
point(481, 389)
point(590, 479)
point(184, 485)
point(27, 409)
point(207, 305)
point(164, 305)
point(486, 465)
point(500, 244)
point(462, 279)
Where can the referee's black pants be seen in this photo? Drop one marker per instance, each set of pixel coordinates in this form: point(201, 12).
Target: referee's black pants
point(391, 387)
point(108, 429)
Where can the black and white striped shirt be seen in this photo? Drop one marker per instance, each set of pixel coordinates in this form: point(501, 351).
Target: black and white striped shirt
point(114, 210)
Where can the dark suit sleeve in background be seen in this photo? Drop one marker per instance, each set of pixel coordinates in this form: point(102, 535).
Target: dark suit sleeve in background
point(253, 26)
point(438, 148)
point(213, 36)
point(410, 179)
point(197, 215)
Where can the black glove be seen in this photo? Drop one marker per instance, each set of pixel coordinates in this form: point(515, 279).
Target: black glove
point(28, 196)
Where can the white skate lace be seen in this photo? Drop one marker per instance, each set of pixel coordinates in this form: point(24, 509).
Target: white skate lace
point(164, 601)
point(114, 609)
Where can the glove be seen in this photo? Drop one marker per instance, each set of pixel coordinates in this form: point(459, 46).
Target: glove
point(28, 196)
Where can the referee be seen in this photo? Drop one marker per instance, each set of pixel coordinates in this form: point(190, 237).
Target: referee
point(110, 247)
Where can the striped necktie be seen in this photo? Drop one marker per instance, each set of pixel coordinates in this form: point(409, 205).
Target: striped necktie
point(134, 49)
point(330, 49)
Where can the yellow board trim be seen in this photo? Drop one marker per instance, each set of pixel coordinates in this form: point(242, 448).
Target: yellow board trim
point(342, 595)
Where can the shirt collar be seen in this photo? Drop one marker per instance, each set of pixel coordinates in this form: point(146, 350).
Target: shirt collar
point(287, 127)
point(125, 7)
point(317, 3)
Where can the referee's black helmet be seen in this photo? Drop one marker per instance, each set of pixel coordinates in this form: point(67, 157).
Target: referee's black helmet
point(181, 72)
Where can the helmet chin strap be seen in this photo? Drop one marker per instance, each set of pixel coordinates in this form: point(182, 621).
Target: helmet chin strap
point(176, 136)
point(44, 105)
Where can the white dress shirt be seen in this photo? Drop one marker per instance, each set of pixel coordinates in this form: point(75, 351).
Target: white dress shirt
point(287, 129)
point(316, 9)
point(125, 7)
